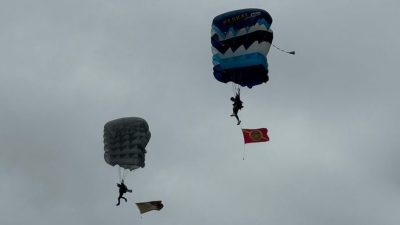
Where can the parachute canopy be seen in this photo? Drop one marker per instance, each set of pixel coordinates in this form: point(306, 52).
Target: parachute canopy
point(240, 42)
point(125, 140)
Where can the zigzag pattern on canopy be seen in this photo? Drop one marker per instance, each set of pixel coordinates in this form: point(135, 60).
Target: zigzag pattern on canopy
point(262, 48)
point(259, 25)
point(245, 40)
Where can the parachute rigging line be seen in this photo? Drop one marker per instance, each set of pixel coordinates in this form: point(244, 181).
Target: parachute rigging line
point(235, 88)
point(122, 173)
point(291, 52)
point(125, 173)
point(119, 174)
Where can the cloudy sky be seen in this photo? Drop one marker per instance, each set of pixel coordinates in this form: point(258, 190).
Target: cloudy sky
point(69, 66)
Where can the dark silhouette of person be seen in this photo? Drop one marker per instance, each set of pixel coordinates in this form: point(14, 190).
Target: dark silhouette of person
point(237, 105)
point(122, 190)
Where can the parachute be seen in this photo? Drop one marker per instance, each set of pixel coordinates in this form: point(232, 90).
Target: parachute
point(125, 140)
point(240, 41)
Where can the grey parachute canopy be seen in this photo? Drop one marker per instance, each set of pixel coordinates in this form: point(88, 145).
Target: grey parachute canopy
point(125, 140)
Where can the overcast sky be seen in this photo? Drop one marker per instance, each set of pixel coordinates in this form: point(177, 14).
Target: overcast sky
point(69, 66)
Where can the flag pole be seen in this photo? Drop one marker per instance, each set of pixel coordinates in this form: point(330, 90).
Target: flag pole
point(244, 150)
point(244, 145)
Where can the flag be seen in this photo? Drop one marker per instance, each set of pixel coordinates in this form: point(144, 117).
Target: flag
point(145, 207)
point(255, 135)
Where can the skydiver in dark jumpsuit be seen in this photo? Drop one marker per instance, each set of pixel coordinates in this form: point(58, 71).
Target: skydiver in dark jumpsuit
point(237, 105)
point(122, 190)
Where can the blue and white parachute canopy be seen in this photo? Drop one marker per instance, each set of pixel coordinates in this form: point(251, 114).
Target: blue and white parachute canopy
point(240, 42)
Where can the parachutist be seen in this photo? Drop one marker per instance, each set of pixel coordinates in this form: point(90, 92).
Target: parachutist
point(237, 105)
point(122, 190)
point(125, 141)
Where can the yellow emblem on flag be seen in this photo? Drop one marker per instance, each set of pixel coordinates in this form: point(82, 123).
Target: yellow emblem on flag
point(256, 135)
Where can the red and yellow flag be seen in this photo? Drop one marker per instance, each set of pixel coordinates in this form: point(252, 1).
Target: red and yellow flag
point(255, 135)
